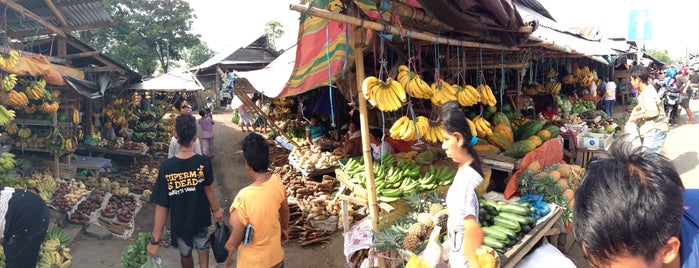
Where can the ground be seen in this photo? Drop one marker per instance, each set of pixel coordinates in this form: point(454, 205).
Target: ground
point(230, 177)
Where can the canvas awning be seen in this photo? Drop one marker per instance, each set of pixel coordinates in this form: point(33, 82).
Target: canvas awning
point(179, 80)
point(272, 79)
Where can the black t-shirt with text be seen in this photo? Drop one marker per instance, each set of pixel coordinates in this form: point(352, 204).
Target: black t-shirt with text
point(180, 187)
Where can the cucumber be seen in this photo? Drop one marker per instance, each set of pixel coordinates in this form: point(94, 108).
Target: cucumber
point(494, 233)
point(526, 228)
point(489, 205)
point(523, 220)
point(489, 209)
point(510, 234)
point(512, 225)
point(493, 243)
point(512, 208)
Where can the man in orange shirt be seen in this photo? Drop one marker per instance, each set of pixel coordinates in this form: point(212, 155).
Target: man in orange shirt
point(256, 235)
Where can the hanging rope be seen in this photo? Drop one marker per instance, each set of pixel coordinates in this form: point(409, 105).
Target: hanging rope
point(330, 77)
point(502, 76)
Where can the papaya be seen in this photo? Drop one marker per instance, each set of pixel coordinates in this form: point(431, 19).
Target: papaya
point(487, 148)
point(501, 118)
point(543, 135)
point(554, 130)
point(499, 141)
point(505, 131)
point(536, 139)
point(520, 148)
point(528, 129)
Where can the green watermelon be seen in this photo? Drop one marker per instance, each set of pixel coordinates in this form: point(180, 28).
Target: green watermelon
point(63, 118)
point(506, 108)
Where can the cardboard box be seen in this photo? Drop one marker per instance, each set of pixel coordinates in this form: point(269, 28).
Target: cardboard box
point(595, 140)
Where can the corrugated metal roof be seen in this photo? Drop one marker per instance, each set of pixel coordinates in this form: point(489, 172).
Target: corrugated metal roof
point(536, 6)
point(76, 13)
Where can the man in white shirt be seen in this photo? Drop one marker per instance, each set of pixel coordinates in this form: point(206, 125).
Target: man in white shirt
point(610, 97)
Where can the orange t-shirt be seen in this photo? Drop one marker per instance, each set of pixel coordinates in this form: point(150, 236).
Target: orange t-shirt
point(259, 206)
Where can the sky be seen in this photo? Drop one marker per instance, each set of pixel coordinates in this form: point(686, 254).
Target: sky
point(231, 24)
point(226, 24)
point(673, 21)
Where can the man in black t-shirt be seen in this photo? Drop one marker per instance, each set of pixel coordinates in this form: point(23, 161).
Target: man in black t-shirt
point(183, 189)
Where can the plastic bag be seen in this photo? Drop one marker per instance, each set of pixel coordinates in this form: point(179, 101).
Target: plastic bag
point(153, 262)
point(631, 134)
point(433, 252)
point(541, 209)
point(218, 241)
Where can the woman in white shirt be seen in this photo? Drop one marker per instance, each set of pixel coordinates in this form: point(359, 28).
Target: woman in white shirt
point(610, 98)
point(379, 146)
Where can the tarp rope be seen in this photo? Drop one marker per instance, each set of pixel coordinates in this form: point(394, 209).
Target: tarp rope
point(330, 76)
point(502, 76)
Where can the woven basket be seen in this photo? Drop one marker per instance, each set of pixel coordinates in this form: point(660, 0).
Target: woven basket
point(482, 188)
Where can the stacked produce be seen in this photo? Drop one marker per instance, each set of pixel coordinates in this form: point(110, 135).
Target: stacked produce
point(68, 194)
point(10, 60)
point(394, 180)
point(122, 208)
point(295, 129)
point(9, 81)
point(557, 183)
point(313, 159)
point(515, 139)
point(44, 185)
point(504, 223)
point(120, 111)
point(278, 156)
point(36, 90)
point(81, 215)
point(564, 106)
point(387, 95)
point(54, 252)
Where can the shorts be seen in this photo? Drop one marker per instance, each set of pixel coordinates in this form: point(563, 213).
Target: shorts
point(200, 241)
point(457, 258)
point(684, 99)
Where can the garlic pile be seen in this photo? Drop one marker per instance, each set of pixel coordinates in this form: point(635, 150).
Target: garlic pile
point(313, 159)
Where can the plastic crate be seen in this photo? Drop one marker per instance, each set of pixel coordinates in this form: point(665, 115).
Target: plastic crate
point(576, 128)
point(595, 140)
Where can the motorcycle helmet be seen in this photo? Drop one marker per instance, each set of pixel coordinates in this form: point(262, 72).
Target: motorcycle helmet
point(671, 73)
point(683, 71)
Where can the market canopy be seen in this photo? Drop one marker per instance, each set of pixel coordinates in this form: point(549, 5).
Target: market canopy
point(178, 80)
point(273, 79)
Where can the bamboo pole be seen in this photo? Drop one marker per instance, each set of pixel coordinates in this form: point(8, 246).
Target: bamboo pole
point(420, 35)
point(364, 127)
point(248, 102)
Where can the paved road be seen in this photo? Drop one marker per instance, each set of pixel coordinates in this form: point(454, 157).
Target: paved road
point(682, 147)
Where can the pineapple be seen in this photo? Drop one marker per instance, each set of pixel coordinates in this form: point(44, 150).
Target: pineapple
point(425, 219)
point(436, 207)
point(411, 242)
point(417, 229)
point(414, 201)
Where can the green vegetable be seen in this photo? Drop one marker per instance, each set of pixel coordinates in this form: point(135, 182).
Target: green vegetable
point(509, 224)
point(522, 220)
point(494, 233)
point(514, 209)
point(493, 243)
point(135, 255)
point(510, 234)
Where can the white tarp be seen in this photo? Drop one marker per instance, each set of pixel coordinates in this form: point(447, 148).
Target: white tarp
point(272, 79)
point(176, 80)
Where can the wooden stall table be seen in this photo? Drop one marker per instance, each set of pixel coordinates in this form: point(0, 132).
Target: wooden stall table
point(500, 162)
point(91, 164)
point(133, 154)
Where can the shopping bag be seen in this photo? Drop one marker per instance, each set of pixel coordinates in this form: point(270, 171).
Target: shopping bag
point(218, 239)
point(153, 262)
point(631, 134)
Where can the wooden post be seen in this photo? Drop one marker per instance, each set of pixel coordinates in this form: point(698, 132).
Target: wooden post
point(248, 102)
point(364, 127)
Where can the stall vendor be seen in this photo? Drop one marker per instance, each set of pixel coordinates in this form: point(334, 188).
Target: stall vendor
point(379, 147)
point(314, 131)
point(465, 234)
point(351, 144)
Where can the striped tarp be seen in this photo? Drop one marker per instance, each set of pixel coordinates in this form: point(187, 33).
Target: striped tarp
point(321, 44)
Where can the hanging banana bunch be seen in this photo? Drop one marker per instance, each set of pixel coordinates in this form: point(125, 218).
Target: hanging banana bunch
point(388, 96)
point(413, 84)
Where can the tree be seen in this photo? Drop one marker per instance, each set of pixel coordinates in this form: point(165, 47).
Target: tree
point(660, 55)
point(198, 54)
point(273, 30)
point(150, 33)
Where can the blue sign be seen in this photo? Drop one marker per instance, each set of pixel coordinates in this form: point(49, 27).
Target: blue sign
point(640, 25)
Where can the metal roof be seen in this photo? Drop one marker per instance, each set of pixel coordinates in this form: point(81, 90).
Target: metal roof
point(78, 15)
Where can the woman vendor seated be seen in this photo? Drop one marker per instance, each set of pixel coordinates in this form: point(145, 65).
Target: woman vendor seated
point(351, 144)
point(379, 147)
point(314, 131)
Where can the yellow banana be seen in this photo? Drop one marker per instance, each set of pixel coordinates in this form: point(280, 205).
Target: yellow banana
point(367, 84)
point(472, 127)
point(400, 91)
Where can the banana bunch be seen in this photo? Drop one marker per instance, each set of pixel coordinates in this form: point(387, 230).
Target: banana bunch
point(49, 107)
point(70, 147)
point(76, 116)
point(37, 90)
point(442, 92)
point(467, 96)
point(9, 61)
point(552, 74)
point(584, 76)
point(487, 96)
point(568, 79)
point(55, 93)
point(57, 233)
point(388, 96)
point(553, 88)
point(6, 116)
point(7, 161)
point(30, 109)
point(9, 82)
point(24, 132)
point(45, 186)
point(404, 129)
point(54, 254)
point(11, 128)
point(482, 126)
point(413, 84)
point(434, 133)
point(16, 99)
point(472, 127)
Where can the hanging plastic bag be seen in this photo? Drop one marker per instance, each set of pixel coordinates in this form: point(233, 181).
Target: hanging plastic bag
point(153, 262)
point(218, 242)
point(541, 209)
point(433, 252)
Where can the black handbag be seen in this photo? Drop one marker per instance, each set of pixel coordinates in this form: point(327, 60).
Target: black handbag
point(218, 240)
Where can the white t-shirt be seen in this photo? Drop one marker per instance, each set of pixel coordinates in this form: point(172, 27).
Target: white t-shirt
point(379, 150)
point(611, 91)
point(175, 147)
point(461, 202)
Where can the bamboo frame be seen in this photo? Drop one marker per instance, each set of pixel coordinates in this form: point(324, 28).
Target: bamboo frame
point(420, 35)
point(364, 128)
point(248, 102)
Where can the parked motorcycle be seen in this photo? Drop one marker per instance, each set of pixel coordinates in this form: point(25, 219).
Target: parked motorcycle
point(671, 101)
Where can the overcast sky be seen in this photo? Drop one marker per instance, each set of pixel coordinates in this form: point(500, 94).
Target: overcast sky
point(226, 24)
point(231, 24)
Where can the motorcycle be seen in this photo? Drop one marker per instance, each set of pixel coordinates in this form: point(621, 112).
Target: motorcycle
point(671, 101)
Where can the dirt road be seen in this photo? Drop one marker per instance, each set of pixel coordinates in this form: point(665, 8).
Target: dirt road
point(230, 177)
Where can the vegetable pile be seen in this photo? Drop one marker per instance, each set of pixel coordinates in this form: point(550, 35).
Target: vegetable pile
point(504, 223)
point(556, 183)
point(135, 255)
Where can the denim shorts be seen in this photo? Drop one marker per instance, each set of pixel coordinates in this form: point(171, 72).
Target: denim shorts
point(200, 241)
point(654, 141)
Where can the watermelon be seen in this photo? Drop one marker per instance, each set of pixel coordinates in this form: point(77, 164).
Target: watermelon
point(506, 108)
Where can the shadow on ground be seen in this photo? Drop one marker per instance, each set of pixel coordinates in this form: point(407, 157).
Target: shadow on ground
point(686, 162)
